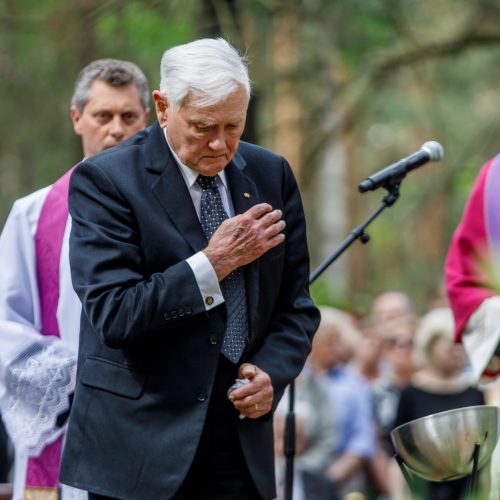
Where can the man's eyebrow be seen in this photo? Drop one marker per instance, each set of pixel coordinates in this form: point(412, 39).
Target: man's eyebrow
point(202, 121)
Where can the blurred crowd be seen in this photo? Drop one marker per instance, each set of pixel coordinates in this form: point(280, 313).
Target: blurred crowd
point(364, 377)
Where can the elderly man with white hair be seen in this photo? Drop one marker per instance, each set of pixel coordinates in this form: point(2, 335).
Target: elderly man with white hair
point(188, 252)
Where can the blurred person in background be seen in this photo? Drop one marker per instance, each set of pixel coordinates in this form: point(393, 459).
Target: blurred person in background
point(313, 392)
point(313, 430)
point(440, 383)
point(397, 339)
point(350, 398)
point(39, 311)
point(367, 358)
point(390, 304)
point(397, 361)
point(388, 309)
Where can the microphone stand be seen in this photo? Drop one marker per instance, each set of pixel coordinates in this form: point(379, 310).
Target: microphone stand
point(358, 232)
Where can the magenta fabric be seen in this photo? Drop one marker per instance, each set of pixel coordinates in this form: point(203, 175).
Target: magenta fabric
point(492, 209)
point(470, 258)
point(43, 471)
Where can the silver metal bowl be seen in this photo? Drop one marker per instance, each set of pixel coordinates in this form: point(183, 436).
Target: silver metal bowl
point(440, 447)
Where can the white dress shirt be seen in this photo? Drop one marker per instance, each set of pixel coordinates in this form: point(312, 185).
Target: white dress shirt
point(205, 275)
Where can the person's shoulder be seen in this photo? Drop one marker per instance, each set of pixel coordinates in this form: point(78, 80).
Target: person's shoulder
point(33, 198)
point(476, 393)
point(350, 379)
point(25, 212)
point(130, 146)
point(249, 151)
point(118, 161)
point(352, 373)
point(32, 202)
point(263, 164)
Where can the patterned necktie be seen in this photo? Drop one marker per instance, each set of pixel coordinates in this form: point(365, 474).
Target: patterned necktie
point(212, 214)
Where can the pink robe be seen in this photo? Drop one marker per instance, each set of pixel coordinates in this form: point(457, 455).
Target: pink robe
point(473, 262)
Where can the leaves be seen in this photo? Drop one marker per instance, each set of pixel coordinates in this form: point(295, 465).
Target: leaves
point(342, 87)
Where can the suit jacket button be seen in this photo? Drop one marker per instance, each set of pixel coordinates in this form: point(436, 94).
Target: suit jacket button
point(174, 314)
point(201, 397)
point(166, 316)
point(212, 339)
point(209, 300)
point(181, 312)
point(188, 312)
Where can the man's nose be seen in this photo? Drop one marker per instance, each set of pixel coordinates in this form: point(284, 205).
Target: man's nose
point(218, 141)
point(117, 130)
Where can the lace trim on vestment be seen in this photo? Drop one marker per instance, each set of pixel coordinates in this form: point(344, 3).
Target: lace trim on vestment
point(38, 382)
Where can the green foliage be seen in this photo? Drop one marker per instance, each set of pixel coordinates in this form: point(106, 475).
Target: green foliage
point(373, 81)
point(43, 46)
point(365, 29)
point(146, 31)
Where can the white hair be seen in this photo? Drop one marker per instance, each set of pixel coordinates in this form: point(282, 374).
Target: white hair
point(208, 70)
point(344, 324)
point(437, 323)
point(114, 72)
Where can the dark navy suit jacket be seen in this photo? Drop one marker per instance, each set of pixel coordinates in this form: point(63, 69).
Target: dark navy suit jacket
point(148, 347)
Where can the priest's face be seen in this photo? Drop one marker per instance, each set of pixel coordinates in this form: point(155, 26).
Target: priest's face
point(111, 115)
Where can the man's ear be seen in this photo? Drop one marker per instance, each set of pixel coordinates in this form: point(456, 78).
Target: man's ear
point(161, 107)
point(75, 118)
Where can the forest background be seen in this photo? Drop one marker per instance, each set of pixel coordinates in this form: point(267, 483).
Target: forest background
point(342, 88)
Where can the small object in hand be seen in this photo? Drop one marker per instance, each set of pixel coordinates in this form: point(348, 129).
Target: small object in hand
point(239, 382)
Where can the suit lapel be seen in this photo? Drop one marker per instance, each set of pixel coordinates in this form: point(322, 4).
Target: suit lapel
point(172, 193)
point(171, 190)
point(243, 190)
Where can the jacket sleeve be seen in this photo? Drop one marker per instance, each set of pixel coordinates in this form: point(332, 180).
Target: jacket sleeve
point(122, 302)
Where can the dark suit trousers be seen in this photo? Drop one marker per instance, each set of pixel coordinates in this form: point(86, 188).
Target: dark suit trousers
point(219, 471)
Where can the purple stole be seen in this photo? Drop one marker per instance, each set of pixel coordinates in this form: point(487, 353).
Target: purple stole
point(42, 478)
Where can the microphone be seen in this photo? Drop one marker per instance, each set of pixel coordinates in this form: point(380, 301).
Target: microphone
point(395, 173)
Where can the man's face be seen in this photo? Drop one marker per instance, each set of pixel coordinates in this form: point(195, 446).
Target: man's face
point(205, 139)
point(111, 115)
point(327, 347)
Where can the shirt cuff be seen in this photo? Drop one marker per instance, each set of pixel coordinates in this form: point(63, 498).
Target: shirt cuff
point(206, 278)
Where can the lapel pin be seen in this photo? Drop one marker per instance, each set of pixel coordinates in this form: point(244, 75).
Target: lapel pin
point(246, 195)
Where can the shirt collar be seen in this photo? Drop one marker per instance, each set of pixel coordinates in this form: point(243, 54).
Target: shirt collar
point(189, 174)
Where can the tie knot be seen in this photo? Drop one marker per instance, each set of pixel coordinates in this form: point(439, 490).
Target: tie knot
point(207, 182)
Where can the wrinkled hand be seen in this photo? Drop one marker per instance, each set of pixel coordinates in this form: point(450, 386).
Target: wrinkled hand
point(254, 399)
point(244, 238)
